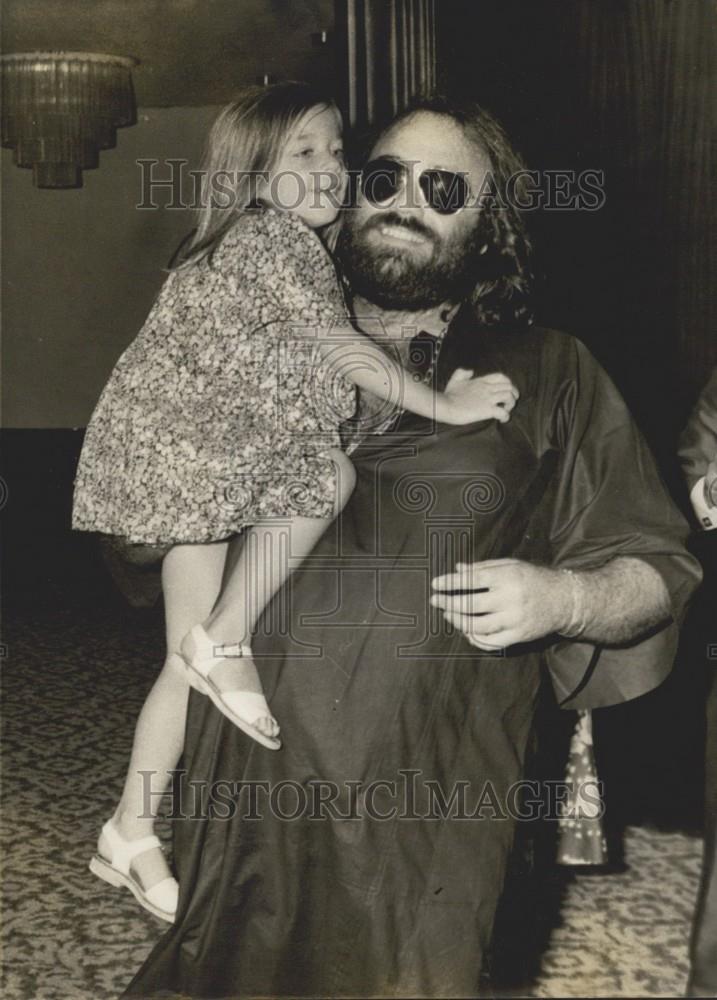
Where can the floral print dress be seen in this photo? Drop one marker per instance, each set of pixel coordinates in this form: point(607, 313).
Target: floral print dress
point(221, 410)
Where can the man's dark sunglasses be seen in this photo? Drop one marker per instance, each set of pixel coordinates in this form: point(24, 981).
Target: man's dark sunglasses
point(445, 191)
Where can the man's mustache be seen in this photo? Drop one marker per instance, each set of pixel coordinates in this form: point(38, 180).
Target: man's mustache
point(394, 219)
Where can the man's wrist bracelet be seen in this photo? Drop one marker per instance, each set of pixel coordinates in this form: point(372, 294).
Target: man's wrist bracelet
point(577, 624)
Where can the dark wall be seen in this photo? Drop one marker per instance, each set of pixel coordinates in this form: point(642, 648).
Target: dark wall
point(190, 52)
point(81, 268)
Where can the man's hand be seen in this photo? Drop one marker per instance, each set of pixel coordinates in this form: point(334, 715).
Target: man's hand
point(510, 601)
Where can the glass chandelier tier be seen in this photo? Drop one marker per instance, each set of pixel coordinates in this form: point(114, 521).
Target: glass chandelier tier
point(59, 109)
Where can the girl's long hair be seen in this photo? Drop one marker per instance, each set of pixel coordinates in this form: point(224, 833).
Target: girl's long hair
point(245, 141)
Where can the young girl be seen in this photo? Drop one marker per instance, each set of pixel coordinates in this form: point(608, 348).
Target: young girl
point(222, 419)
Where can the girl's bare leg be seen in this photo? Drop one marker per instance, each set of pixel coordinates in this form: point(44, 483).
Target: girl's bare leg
point(256, 570)
point(191, 581)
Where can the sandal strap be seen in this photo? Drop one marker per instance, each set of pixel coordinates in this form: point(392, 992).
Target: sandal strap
point(124, 851)
point(248, 705)
point(227, 649)
point(157, 893)
point(207, 652)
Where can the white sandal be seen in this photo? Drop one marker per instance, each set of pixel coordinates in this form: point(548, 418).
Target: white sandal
point(159, 899)
point(243, 708)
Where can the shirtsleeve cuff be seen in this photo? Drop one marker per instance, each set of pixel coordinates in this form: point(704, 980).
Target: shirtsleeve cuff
point(707, 516)
point(588, 675)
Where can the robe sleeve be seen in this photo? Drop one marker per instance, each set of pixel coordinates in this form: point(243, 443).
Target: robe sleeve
point(609, 501)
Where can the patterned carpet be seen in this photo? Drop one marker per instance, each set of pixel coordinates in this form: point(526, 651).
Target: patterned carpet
point(626, 935)
point(73, 684)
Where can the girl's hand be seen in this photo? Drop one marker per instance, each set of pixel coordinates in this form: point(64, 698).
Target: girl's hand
point(467, 399)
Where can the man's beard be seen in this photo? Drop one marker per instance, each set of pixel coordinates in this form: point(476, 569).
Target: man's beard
point(393, 278)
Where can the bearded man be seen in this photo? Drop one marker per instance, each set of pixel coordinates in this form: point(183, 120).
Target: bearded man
point(370, 857)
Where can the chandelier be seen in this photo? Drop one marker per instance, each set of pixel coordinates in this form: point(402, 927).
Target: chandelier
point(59, 109)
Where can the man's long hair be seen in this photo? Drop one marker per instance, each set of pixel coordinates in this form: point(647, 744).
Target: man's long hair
point(503, 298)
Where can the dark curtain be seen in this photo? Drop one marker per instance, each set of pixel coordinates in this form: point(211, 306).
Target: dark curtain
point(389, 55)
point(627, 87)
point(648, 72)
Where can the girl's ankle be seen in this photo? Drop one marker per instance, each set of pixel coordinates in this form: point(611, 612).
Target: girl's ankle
point(226, 636)
point(130, 827)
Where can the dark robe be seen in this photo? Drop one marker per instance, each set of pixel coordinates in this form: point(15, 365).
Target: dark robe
point(370, 686)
